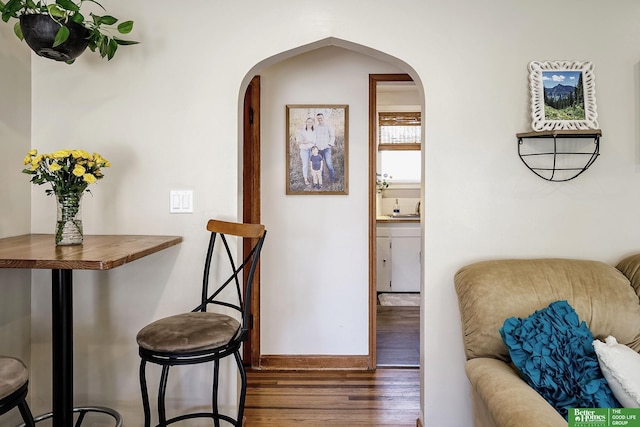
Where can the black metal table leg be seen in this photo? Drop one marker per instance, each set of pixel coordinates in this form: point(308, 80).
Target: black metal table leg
point(62, 347)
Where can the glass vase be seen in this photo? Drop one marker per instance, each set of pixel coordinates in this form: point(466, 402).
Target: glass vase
point(69, 221)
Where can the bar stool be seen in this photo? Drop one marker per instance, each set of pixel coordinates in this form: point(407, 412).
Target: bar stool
point(202, 336)
point(14, 381)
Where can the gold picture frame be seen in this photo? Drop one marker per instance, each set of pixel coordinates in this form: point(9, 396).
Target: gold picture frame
point(317, 149)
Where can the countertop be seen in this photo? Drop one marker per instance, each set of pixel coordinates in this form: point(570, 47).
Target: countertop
point(388, 219)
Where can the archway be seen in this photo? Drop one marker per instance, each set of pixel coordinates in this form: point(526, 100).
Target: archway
point(362, 188)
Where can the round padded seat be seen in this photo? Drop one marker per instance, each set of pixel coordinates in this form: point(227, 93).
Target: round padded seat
point(188, 332)
point(13, 375)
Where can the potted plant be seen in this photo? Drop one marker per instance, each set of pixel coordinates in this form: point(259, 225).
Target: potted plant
point(60, 31)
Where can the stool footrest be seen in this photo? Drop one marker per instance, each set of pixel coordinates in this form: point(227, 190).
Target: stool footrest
point(84, 410)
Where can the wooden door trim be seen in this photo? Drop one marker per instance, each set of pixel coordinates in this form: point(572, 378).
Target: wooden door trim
point(251, 202)
point(373, 158)
point(313, 362)
point(251, 213)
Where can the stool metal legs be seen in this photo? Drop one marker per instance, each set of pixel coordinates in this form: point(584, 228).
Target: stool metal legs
point(215, 414)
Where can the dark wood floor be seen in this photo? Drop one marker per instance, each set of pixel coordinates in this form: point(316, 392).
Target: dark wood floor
point(398, 336)
point(382, 398)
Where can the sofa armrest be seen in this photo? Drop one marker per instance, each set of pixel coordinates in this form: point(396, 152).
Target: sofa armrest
point(508, 400)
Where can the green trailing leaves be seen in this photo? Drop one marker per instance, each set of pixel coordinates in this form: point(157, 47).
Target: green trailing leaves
point(125, 42)
point(78, 18)
point(68, 5)
point(111, 49)
point(56, 12)
point(61, 36)
point(11, 9)
point(104, 20)
point(125, 27)
point(100, 27)
point(18, 30)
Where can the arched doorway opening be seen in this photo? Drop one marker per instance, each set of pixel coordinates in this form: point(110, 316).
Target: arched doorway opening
point(315, 305)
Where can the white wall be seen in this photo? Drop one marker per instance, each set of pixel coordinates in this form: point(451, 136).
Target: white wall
point(480, 201)
point(15, 120)
point(166, 114)
point(315, 280)
point(15, 139)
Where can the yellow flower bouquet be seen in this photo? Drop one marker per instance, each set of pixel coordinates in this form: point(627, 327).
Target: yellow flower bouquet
point(69, 172)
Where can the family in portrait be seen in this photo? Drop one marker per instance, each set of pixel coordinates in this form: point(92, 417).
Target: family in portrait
point(316, 149)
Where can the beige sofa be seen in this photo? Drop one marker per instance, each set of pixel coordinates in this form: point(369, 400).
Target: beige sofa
point(489, 292)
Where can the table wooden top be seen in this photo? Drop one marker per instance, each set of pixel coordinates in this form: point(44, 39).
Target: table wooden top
point(98, 252)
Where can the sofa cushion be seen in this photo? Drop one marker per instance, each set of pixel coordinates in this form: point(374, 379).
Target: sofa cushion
point(553, 351)
point(491, 291)
point(630, 267)
point(621, 367)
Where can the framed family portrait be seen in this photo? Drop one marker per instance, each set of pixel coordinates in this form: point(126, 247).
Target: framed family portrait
point(563, 95)
point(317, 149)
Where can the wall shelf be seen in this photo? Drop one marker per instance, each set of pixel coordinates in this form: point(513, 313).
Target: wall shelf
point(555, 160)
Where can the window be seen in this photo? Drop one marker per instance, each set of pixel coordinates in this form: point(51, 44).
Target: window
point(401, 165)
point(399, 130)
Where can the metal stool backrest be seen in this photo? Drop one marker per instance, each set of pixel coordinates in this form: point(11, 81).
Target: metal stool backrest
point(245, 271)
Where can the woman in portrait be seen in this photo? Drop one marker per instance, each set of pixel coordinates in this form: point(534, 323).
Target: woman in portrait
point(306, 138)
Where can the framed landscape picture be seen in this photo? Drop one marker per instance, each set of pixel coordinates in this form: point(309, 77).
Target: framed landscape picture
point(317, 149)
point(563, 95)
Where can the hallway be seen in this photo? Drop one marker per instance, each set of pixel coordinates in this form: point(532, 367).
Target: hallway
point(398, 336)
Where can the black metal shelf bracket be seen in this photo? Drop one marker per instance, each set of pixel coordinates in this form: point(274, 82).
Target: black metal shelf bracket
point(559, 165)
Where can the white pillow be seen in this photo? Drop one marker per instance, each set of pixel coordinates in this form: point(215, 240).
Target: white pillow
point(620, 366)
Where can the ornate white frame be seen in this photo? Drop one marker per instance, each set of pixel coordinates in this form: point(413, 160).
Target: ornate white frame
point(539, 123)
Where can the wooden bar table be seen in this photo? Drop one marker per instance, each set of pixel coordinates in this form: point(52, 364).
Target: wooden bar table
point(96, 253)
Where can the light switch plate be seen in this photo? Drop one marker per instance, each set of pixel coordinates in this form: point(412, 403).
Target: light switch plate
point(181, 201)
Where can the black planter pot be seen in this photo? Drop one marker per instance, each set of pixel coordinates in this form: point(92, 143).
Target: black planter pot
point(39, 32)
